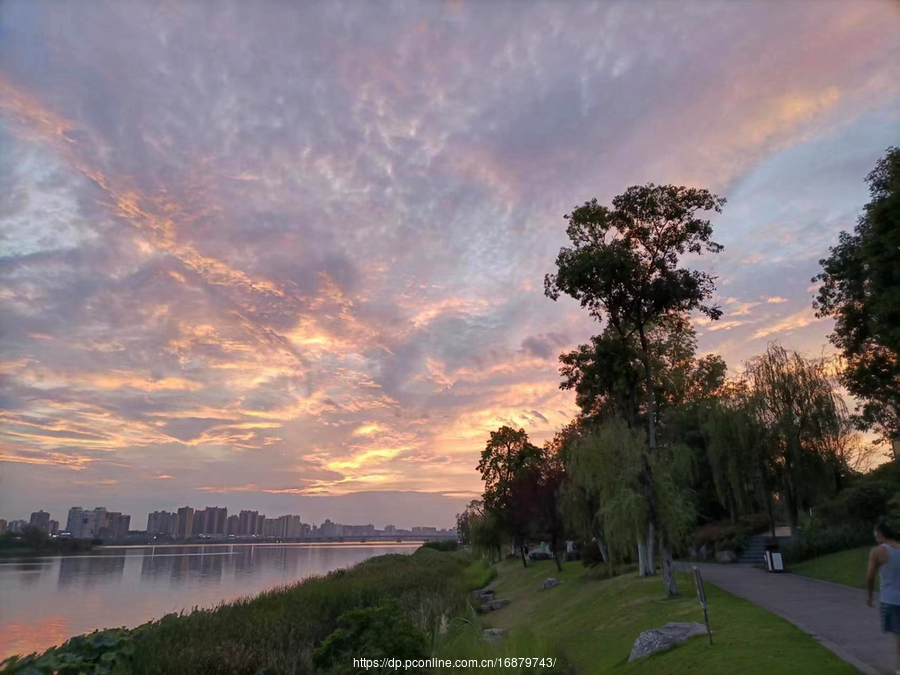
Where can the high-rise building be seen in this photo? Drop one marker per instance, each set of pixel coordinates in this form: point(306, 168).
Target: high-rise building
point(185, 522)
point(16, 526)
point(210, 520)
point(54, 528)
point(116, 527)
point(389, 529)
point(84, 524)
point(101, 520)
point(270, 527)
point(248, 523)
point(41, 520)
point(329, 529)
point(260, 524)
point(295, 531)
point(162, 523)
point(74, 522)
point(3, 526)
point(233, 526)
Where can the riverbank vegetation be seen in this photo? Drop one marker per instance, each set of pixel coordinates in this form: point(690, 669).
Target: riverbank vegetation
point(668, 455)
point(33, 541)
point(392, 606)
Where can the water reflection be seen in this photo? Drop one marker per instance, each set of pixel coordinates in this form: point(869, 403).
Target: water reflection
point(89, 571)
point(43, 601)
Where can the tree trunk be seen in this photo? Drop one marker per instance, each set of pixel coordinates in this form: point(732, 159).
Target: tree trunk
point(642, 557)
point(556, 560)
point(522, 550)
point(668, 570)
point(650, 489)
point(604, 553)
point(651, 549)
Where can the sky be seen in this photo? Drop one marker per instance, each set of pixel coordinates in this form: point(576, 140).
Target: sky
point(290, 256)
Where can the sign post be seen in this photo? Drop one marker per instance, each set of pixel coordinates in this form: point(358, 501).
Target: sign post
point(701, 593)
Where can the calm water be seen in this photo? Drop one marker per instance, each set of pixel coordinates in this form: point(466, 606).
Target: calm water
point(44, 601)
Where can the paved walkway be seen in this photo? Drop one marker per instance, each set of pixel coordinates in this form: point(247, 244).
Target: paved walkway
point(835, 615)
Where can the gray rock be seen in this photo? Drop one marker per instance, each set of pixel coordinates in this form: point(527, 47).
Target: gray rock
point(493, 635)
point(726, 557)
point(489, 604)
point(484, 594)
point(661, 639)
point(550, 583)
point(539, 555)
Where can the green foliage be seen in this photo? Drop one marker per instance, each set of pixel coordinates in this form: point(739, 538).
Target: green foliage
point(861, 290)
point(34, 540)
point(107, 652)
point(478, 574)
point(824, 541)
point(608, 461)
point(447, 545)
point(860, 505)
point(380, 632)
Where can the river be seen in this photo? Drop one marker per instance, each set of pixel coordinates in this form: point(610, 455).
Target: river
point(46, 600)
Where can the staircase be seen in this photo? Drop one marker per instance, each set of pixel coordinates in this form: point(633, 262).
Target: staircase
point(754, 552)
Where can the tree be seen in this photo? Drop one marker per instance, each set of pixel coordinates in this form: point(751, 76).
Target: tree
point(861, 290)
point(623, 267)
point(796, 412)
point(606, 461)
point(551, 481)
point(505, 462)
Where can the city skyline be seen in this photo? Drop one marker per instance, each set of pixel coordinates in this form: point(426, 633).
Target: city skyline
point(295, 263)
point(184, 522)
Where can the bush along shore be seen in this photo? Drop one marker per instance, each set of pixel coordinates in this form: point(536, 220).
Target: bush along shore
point(418, 606)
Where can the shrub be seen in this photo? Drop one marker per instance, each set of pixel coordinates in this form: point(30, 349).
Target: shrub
point(822, 542)
point(379, 632)
point(108, 651)
point(447, 545)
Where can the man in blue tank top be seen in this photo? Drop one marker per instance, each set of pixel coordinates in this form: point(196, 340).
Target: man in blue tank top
point(885, 561)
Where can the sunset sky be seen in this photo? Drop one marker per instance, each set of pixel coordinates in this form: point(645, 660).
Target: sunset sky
point(290, 256)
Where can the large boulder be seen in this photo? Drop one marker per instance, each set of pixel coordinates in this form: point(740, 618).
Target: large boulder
point(661, 639)
point(550, 583)
point(726, 557)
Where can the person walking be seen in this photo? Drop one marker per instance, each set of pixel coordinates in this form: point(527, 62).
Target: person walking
point(884, 560)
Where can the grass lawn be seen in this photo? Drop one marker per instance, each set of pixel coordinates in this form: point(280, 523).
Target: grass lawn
point(595, 622)
point(845, 567)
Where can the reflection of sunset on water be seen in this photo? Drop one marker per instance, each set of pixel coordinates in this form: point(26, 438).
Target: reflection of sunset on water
point(45, 601)
point(19, 637)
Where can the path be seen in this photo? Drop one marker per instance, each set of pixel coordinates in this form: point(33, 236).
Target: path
point(835, 615)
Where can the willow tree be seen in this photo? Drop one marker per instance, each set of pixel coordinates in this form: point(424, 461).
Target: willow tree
point(607, 461)
point(797, 412)
point(624, 267)
point(744, 468)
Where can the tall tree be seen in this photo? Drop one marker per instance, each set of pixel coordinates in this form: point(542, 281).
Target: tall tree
point(861, 290)
point(623, 266)
point(506, 461)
